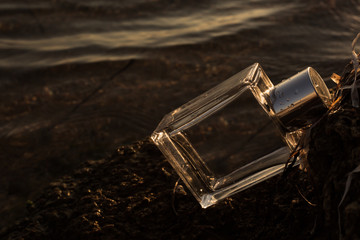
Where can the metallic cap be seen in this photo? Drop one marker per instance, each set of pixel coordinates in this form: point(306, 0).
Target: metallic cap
point(299, 100)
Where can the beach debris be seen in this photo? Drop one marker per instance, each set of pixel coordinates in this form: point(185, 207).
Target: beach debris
point(355, 62)
point(335, 78)
point(346, 81)
point(347, 187)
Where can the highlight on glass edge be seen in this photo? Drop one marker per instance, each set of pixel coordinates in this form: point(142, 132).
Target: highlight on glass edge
point(219, 148)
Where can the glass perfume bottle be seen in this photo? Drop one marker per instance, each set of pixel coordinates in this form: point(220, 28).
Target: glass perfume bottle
point(240, 132)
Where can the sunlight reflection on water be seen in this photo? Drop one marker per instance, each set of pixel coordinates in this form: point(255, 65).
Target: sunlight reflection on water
point(160, 31)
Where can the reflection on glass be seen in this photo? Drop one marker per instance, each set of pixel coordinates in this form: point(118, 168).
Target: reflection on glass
point(218, 147)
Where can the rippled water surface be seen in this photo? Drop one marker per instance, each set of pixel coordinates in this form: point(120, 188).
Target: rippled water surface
point(105, 37)
point(79, 78)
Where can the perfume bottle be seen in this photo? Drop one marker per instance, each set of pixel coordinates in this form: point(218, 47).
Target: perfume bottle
point(240, 132)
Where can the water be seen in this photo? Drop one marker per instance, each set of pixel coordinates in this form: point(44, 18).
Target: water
point(78, 79)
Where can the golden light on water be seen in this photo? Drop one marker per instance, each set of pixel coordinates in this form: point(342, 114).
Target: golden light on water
point(161, 31)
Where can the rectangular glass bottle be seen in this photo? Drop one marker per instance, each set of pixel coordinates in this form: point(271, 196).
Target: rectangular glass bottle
point(228, 138)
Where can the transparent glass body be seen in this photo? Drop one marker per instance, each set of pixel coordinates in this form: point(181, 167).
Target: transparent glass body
point(230, 137)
